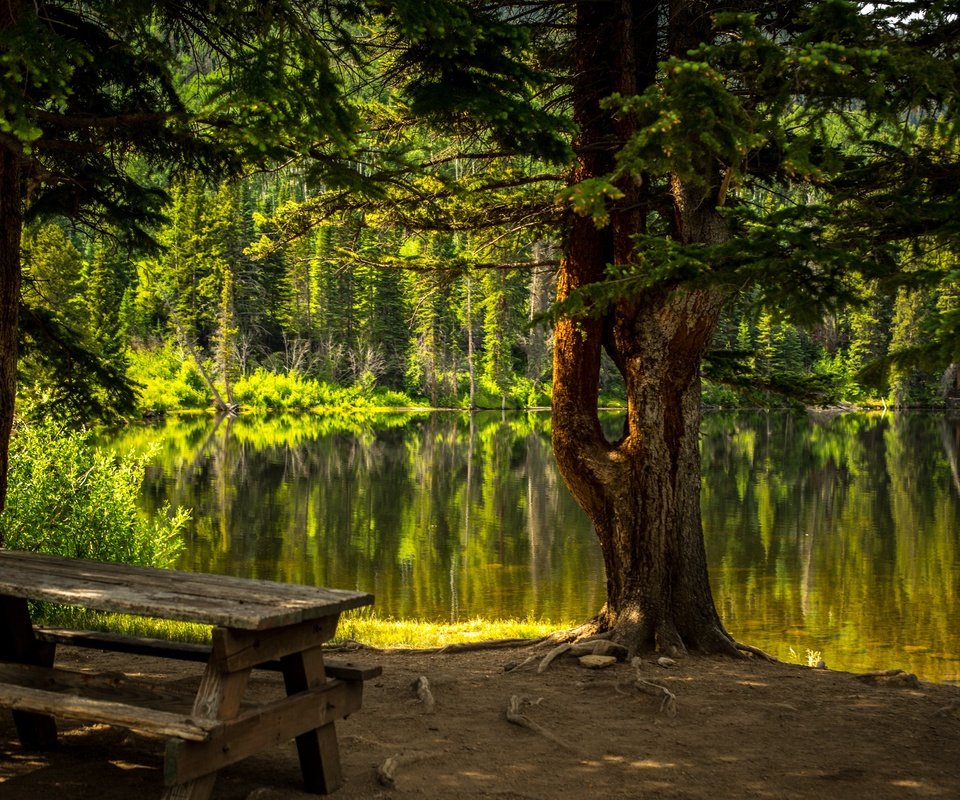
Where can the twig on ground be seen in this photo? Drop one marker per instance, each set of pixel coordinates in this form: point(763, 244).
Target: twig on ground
point(422, 687)
point(517, 717)
point(386, 772)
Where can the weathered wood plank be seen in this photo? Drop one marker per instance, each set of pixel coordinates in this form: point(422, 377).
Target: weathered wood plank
point(107, 686)
point(169, 594)
point(121, 643)
point(240, 649)
point(135, 717)
point(187, 651)
point(256, 731)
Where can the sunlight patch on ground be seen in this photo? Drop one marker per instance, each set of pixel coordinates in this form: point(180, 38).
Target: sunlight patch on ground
point(649, 763)
point(920, 787)
point(480, 776)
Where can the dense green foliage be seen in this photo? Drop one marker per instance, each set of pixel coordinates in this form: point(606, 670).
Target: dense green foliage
point(385, 260)
point(312, 317)
point(71, 499)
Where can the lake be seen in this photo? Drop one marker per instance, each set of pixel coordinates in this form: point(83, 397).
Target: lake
point(837, 534)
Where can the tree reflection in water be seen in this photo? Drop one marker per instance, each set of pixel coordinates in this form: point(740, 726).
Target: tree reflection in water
point(830, 533)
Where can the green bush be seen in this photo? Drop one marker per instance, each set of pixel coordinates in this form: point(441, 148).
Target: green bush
point(167, 380)
point(68, 498)
point(285, 391)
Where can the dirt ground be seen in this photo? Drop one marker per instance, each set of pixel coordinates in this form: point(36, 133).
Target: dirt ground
point(742, 729)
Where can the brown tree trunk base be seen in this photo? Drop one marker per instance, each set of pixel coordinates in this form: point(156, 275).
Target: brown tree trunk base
point(644, 637)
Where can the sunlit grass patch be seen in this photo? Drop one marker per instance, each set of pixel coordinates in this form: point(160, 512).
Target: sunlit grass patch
point(123, 624)
point(384, 632)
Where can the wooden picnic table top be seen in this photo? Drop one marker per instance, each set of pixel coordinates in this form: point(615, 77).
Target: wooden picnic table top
point(169, 594)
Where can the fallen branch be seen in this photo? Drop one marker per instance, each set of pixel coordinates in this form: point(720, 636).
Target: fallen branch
point(422, 687)
point(517, 717)
point(386, 772)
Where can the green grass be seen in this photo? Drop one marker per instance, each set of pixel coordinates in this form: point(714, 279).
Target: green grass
point(362, 626)
point(84, 619)
point(386, 632)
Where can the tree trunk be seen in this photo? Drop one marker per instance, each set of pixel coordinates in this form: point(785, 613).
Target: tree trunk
point(11, 225)
point(643, 491)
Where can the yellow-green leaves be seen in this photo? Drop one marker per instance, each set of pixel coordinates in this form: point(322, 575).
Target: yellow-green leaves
point(590, 198)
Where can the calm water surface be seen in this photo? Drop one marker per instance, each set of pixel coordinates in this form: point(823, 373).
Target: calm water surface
point(837, 534)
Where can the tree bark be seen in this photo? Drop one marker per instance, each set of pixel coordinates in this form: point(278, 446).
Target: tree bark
point(642, 492)
point(11, 225)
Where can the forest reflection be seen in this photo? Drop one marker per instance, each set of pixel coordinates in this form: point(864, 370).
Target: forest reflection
point(829, 533)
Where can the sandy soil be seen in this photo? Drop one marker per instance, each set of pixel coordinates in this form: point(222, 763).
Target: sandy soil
point(743, 729)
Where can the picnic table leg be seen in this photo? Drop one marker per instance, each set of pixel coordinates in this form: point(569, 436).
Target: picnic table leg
point(318, 750)
point(19, 645)
point(218, 697)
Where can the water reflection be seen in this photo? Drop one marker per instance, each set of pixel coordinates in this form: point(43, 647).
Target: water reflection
point(831, 533)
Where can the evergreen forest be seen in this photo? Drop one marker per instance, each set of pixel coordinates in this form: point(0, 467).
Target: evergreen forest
point(417, 264)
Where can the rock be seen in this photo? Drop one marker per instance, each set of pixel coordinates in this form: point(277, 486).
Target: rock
point(665, 662)
point(597, 662)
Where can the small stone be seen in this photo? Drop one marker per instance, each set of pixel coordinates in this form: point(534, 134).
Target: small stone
point(821, 664)
point(665, 662)
point(597, 662)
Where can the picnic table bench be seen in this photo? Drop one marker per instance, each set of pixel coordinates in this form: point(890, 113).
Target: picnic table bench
point(257, 625)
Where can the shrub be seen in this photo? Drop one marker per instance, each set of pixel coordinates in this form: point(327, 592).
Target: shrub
point(68, 498)
point(167, 380)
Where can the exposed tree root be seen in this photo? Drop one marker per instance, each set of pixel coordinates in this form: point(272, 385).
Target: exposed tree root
point(422, 687)
point(512, 667)
point(668, 700)
point(517, 717)
point(890, 677)
point(589, 630)
point(463, 647)
point(588, 647)
point(548, 659)
point(756, 651)
point(386, 772)
point(491, 644)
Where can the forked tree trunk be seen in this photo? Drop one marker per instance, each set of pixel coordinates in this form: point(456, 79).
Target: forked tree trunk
point(642, 492)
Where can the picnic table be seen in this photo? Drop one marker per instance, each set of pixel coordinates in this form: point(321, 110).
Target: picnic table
point(257, 624)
